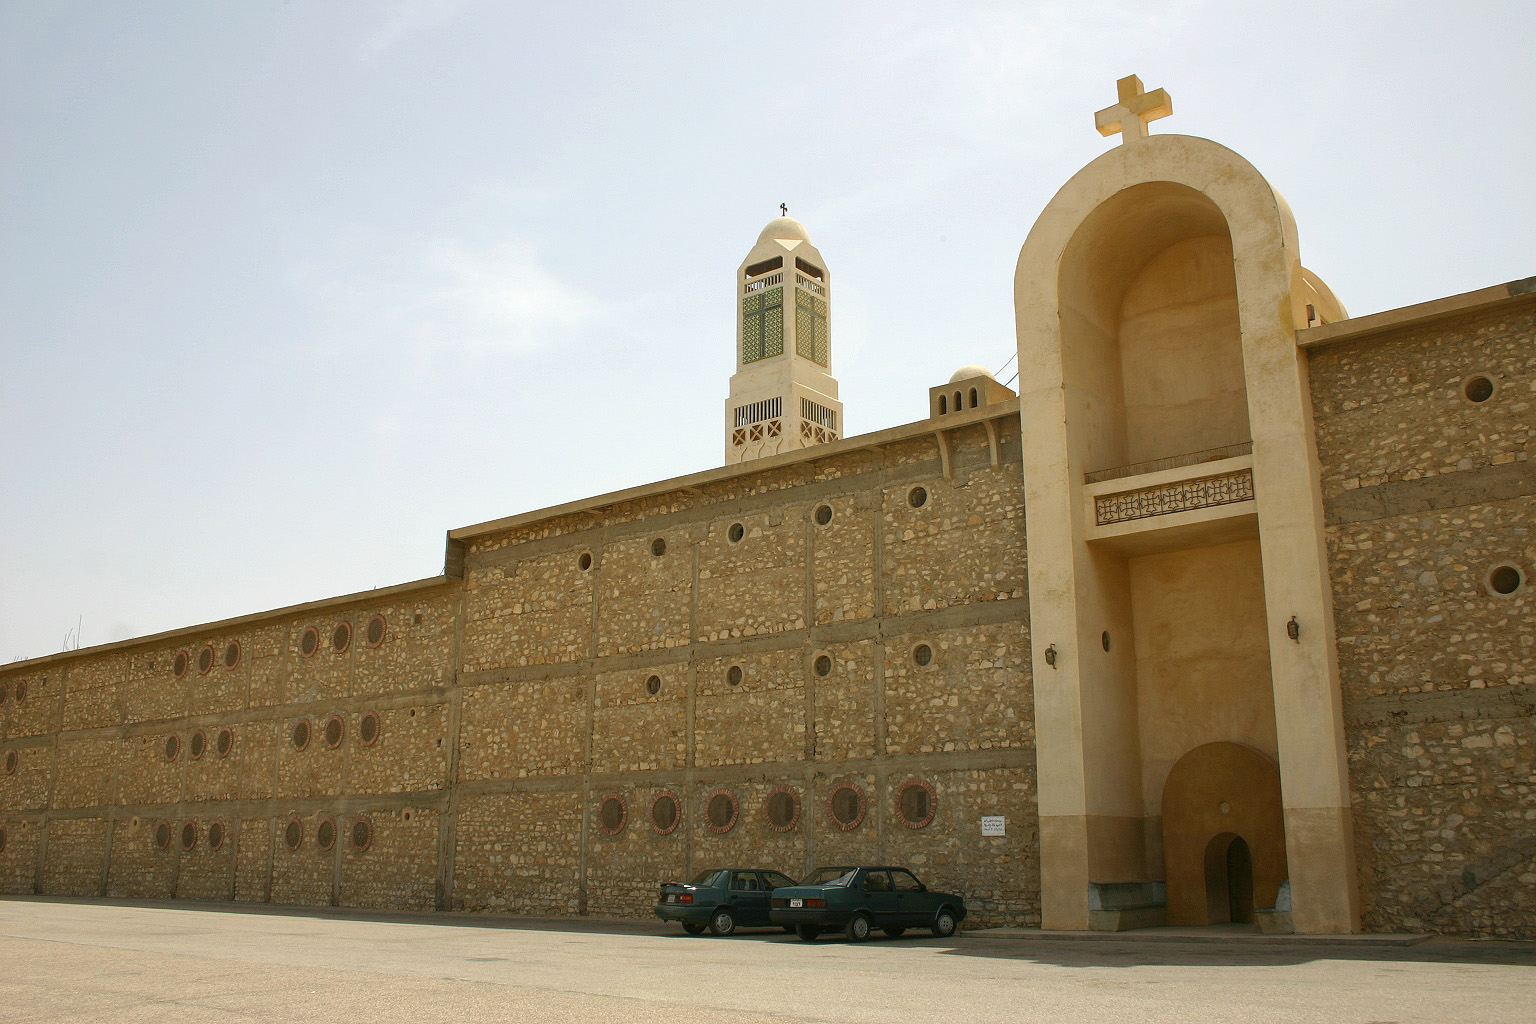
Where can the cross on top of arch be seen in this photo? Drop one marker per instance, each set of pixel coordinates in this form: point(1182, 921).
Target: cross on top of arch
point(1128, 118)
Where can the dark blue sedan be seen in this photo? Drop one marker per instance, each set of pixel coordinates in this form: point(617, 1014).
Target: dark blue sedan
point(859, 900)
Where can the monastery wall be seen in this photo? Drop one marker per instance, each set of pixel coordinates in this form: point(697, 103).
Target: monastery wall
point(1428, 491)
point(817, 662)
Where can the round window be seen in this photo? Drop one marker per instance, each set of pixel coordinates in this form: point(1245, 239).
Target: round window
point(733, 675)
point(232, 654)
point(1478, 389)
point(3, 838)
point(368, 729)
point(5, 693)
point(205, 660)
point(198, 746)
point(823, 665)
point(341, 637)
point(584, 561)
point(362, 833)
point(782, 809)
point(309, 643)
point(301, 734)
point(335, 731)
point(823, 514)
point(1504, 580)
point(21, 691)
point(653, 685)
point(736, 532)
point(172, 746)
point(915, 804)
point(664, 813)
point(216, 836)
point(180, 664)
point(917, 497)
point(658, 547)
point(293, 835)
point(189, 837)
point(846, 806)
point(373, 634)
point(163, 836)
point(720, 811)
point(225, 742)
point(325, 835)
point(12, 762)
point(612, 814)
point(922, 654)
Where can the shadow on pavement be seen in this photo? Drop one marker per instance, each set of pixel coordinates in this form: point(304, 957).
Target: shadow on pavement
point(1133, 953)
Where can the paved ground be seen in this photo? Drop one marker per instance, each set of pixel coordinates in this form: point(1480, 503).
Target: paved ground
point(77, 960)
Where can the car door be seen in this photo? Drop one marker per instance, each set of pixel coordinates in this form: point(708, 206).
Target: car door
point(884, 904)
point(915, 905)
point(750, 898)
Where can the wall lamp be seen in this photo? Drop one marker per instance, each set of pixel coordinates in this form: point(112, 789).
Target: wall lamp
point(1293, 629)
point(1050, 655)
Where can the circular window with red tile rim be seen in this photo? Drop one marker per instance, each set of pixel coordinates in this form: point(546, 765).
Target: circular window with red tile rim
point(368, 729)
point(846, 806)
point(720, 811)
point(163, 836)
point(362, 833)
point(198, 746)
point(12, 762)
point(189, 837)
point(612, 814)
point(782, 808)
point(916, 803)
point(232, 654)
point(335, 731)
point(293, 834)
point(666, 813)
point(373, 633)
point(216, 836)
point(341, 637)
point(309, 643)
point(180, 664)
point(205, 660)
point(301, 734)
point(225, 742)
point(325, 835)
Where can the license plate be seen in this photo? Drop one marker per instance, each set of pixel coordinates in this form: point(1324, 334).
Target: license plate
point(672, 898)
point(797, 903)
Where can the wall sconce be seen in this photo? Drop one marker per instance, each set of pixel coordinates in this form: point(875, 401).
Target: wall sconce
point(1050, 655)
point(1293, 629)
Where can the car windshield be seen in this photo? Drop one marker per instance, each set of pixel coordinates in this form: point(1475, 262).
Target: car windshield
point(776, 880)
point(705, 878)
point(831, 876)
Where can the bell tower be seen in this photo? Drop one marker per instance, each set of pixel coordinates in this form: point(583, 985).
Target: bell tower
point(783, 395)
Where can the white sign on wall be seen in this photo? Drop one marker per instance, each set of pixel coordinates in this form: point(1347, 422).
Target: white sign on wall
point(992, 825)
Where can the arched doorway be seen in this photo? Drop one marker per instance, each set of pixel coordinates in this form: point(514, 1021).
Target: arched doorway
point(1223, 835)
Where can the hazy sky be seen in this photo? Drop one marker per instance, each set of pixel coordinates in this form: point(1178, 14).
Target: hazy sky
point(290, 289)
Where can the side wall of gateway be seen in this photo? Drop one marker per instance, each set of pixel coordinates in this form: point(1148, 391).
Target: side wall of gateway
point(1427, 493)
point(460, 753)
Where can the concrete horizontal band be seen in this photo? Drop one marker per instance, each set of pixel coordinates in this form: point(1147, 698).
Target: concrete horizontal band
point(1431, 493)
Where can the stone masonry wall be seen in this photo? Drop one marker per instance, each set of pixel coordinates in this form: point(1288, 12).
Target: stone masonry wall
point(1427, 492)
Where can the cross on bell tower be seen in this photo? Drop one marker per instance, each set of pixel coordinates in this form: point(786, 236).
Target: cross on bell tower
point(1129, 117)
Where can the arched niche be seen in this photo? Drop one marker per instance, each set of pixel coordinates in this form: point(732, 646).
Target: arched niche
point(1216, 793)
point(1150, 331)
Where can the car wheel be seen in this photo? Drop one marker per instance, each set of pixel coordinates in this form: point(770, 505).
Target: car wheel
point(723, 922)
point(858, 928)
point(895, 933)
point(808, 932)
point(790, 928)
point(944, 924)
point(693, 929)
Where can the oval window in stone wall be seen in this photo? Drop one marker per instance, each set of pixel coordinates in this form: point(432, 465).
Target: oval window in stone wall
point(368, 729)
point(665, 813)
point(735, 533)
point(5, 693)
point(335, 731)
point(12, 762)
point(823, 514)
point(782, 809)
point(917, 497)
point(325, 835)
point(163, 836)
point(309, 643)
point(720, 811)
point(584, 561)
point(922, 654)
point(653, 685)
point(916, 803)
point(205, 660)
point(373, 636)
point(733, 675)
point(198, 746)
point(362, 833)
point(658, 547)
point(216, 836)
point(612, 814)
point(823, 665)
point(3, 838)
point(293, 835)
point(846, 806)
point(301, 734)
point(232, 654)
point(172, 746)
point(21, 691)
point(180, 664)
point(341, 637)
point(1504, 580)
point(225, 742)
point(189, 837)
point(1478, 388)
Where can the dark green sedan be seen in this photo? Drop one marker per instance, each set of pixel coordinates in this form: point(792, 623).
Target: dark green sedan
point(721, 899)
point(859, 900)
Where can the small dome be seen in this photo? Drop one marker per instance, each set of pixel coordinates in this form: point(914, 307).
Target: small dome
point(784, 227)
point(967, 372)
